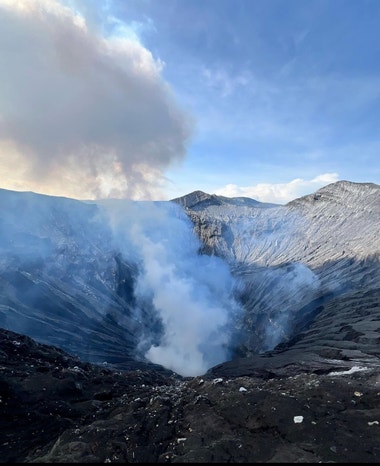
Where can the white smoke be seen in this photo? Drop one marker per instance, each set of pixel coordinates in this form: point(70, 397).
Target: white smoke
point(292, 287)
point(192, 294)
point(82, 115)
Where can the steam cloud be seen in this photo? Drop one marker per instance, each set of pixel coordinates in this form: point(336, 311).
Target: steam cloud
point(192, 294)
point(292, 285)
point(184, 310)
point(82, 115)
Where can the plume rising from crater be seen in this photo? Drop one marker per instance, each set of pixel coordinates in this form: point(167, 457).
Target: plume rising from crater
point(188, 284)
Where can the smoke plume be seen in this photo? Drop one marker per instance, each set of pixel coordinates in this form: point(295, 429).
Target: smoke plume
point(192, 294)
point(82, 115)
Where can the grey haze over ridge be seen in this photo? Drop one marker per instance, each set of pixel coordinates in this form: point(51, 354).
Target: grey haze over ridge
point(190, 283)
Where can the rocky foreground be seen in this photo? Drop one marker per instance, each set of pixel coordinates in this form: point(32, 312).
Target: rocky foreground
point(268, 409)
point(302, 383)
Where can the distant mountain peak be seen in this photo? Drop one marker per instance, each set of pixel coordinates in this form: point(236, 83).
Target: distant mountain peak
point(342, 192)
point(348, 185)
point(194, 198)
point(199, 199)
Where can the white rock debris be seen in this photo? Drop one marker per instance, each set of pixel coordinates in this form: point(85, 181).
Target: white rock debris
point(298, 419)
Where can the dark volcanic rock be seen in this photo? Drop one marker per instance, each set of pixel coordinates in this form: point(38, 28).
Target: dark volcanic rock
point(56, 409)
point(306, 390)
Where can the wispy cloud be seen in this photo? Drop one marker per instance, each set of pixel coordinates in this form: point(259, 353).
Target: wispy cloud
point(279, 193)
point(223, 82)
point(83, 114)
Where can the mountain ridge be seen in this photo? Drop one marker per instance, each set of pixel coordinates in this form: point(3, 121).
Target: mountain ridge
point(65, 254)
point(201, 199)
point(336, 188)
point(82, 287)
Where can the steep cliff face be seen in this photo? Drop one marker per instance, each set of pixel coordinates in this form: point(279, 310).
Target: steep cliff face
point(302, 382)
point(340, 220)
point(317, 253)
point(305, 273)
point(63, 279)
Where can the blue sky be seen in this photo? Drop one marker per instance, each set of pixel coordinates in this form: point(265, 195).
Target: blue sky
point(276, 98)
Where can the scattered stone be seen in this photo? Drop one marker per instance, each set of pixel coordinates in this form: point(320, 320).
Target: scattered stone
point(97, 415)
